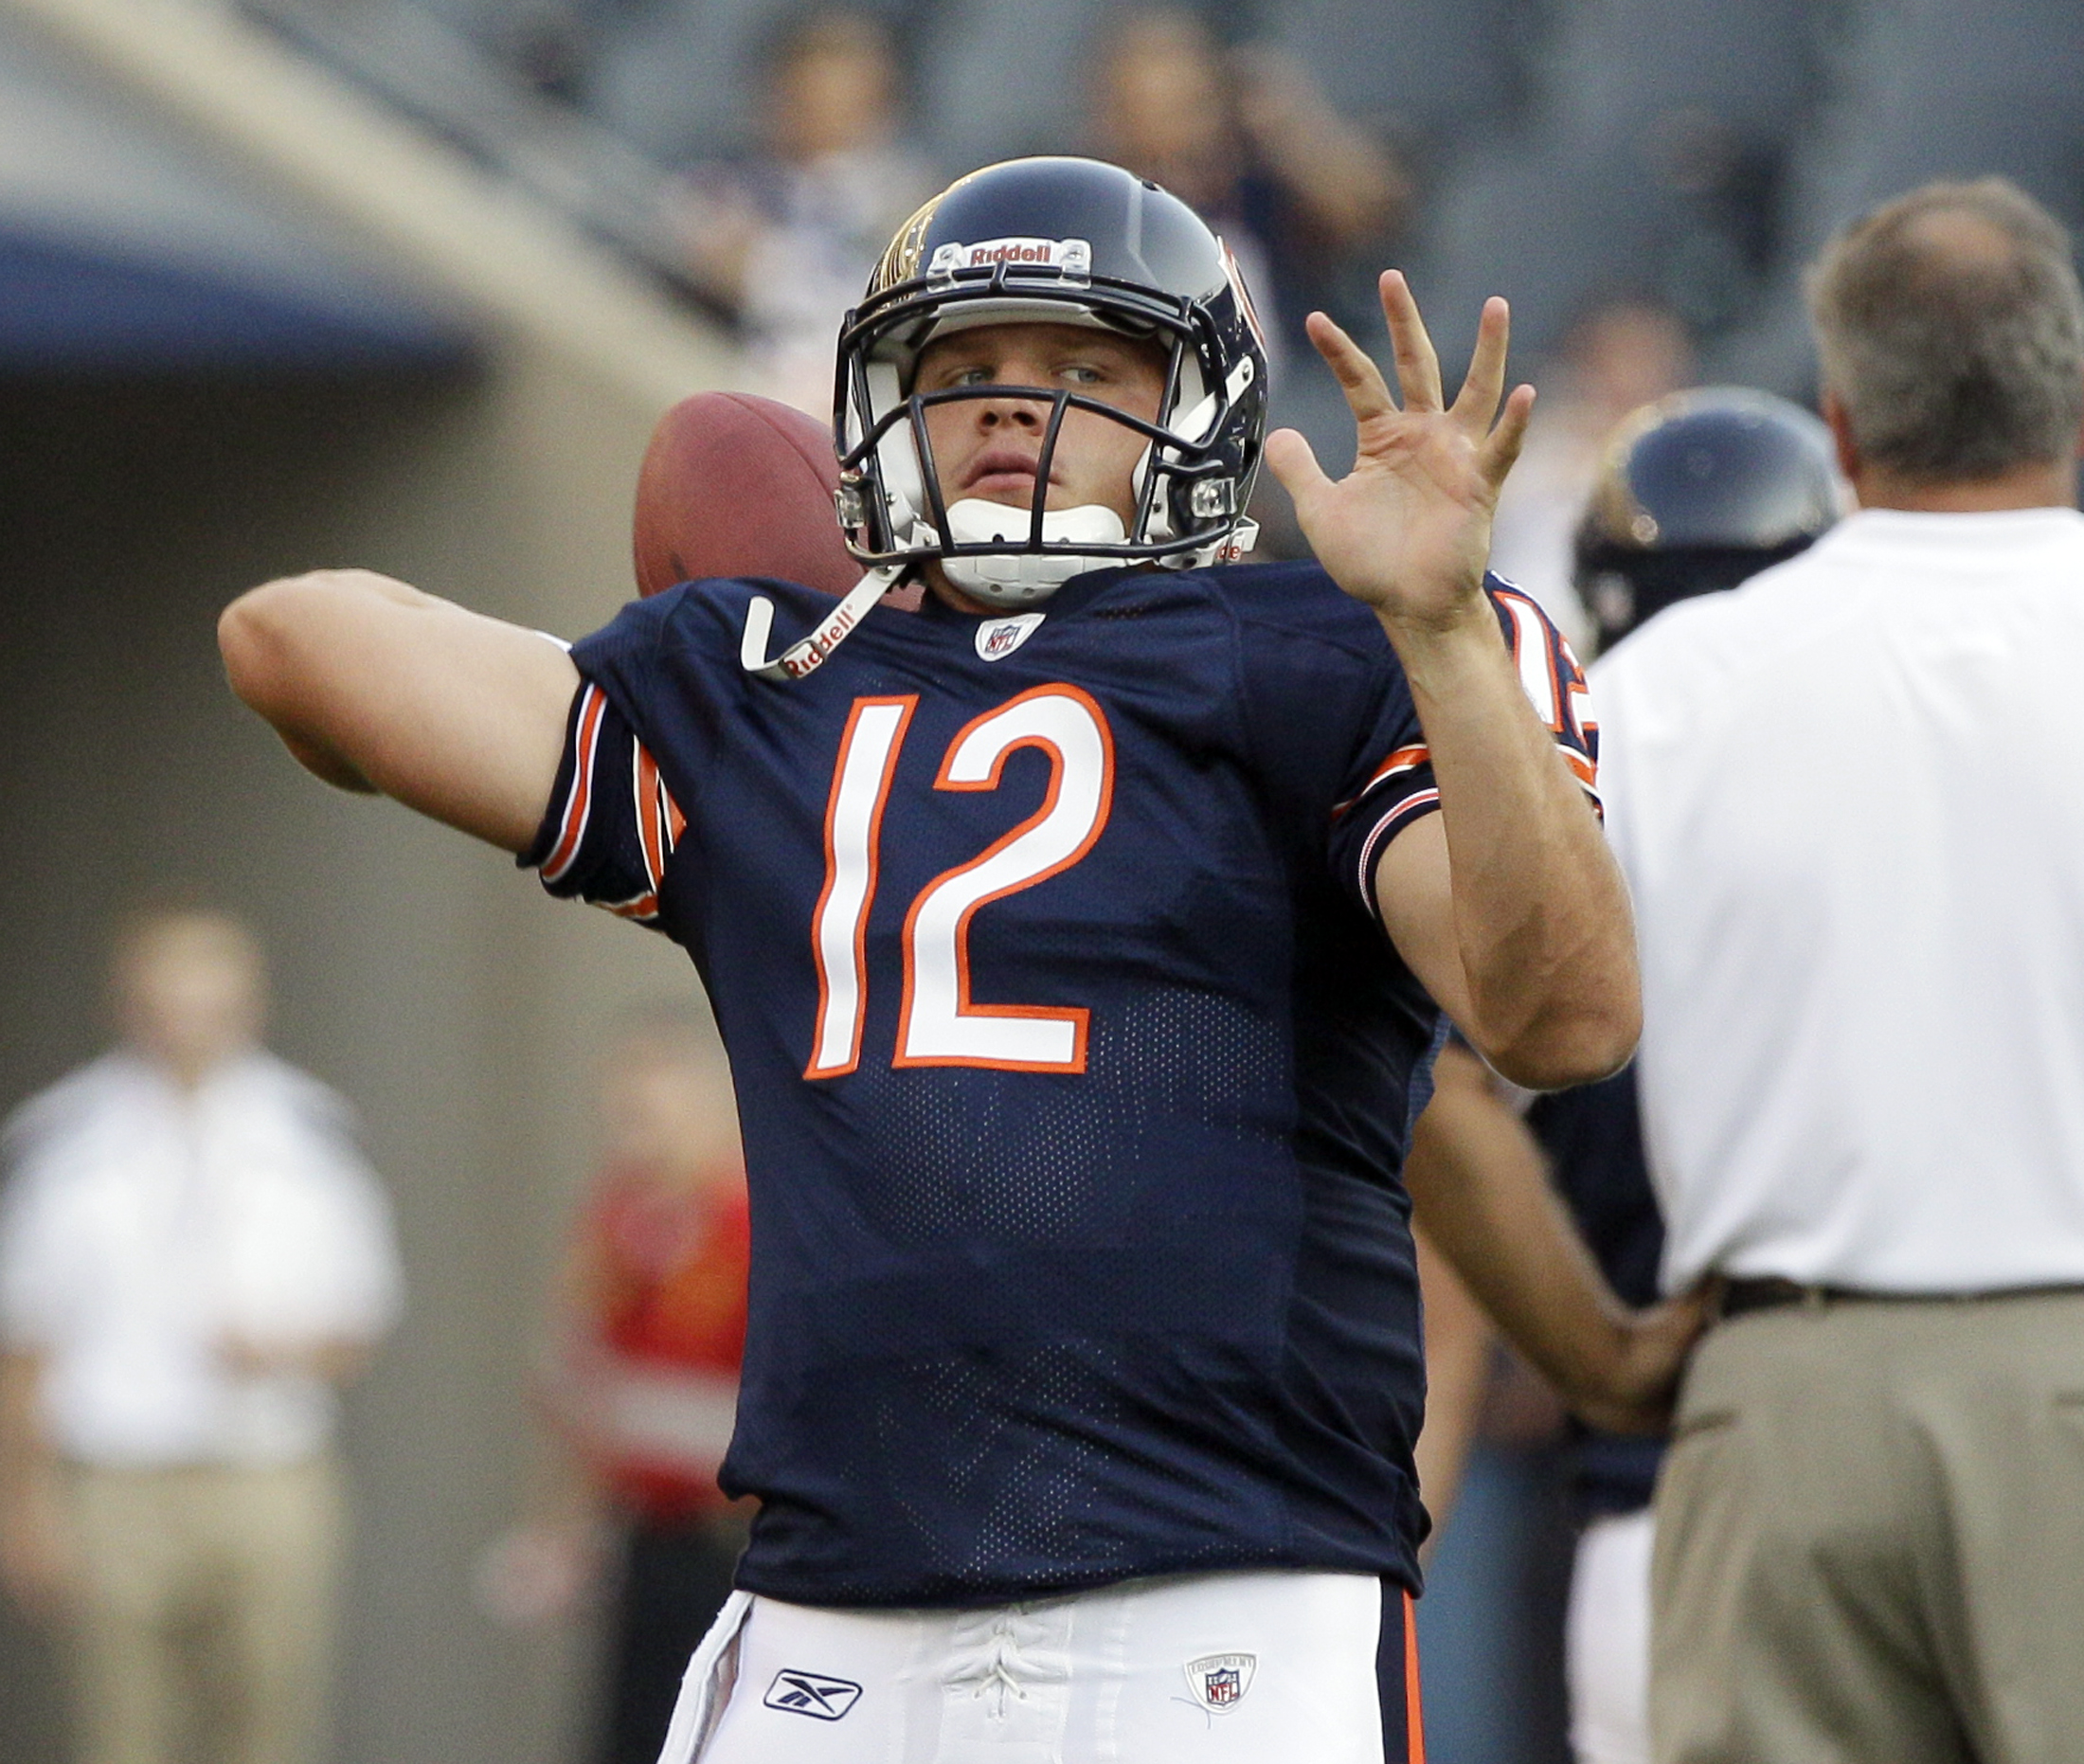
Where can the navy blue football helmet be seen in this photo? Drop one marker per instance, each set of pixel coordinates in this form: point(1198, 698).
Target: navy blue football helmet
point(1068, 242)
point(1697, 492)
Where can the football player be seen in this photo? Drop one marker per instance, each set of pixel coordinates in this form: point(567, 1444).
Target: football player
point(1079, 934)
point(1697, 493)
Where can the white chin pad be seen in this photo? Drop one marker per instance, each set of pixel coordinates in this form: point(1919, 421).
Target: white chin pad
point(1024, 579)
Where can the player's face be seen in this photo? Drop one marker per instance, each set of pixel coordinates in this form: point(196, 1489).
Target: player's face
point(990, 449)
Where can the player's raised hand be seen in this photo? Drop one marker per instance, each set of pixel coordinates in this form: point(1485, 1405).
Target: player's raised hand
point(1409, 530)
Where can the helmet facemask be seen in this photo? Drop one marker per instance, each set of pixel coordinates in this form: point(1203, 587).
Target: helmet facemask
point(1189, 486)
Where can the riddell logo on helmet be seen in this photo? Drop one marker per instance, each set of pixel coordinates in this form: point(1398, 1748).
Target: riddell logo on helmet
point(1073, 256)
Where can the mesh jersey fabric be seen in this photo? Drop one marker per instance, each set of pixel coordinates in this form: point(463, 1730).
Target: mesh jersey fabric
point(1146, 1303)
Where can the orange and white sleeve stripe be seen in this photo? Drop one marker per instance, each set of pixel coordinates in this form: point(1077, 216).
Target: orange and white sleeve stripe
point(659, 825)
point(615, 829)
point(571, 826)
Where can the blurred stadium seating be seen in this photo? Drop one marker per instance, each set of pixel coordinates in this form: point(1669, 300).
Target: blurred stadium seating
point(1692, 150)
point(253, 320)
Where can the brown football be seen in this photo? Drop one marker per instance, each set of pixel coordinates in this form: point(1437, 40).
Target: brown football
point(735, 485)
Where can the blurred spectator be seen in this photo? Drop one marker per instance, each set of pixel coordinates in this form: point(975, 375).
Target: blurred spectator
point(645, 1383)
point(1620, 356)
point(192, 1255)
point(784, 240)
point(1247, 139)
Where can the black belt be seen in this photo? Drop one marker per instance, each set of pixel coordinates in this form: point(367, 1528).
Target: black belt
point(1771, 1293)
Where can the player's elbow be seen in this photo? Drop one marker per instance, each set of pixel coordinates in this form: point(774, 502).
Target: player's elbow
point(278, 641)
point(1583, 1034)
point(1563, 1062)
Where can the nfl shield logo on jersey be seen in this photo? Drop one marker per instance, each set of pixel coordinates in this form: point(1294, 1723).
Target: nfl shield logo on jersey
point(997, 639)
point(1220, 1681)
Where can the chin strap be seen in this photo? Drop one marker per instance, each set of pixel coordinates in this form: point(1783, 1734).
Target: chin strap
point(809, 654)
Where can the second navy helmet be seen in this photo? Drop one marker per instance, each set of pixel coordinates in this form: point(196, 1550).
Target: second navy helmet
point(1697, 492)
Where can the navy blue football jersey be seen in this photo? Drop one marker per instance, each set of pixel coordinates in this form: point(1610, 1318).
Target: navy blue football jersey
point(1074, 1068)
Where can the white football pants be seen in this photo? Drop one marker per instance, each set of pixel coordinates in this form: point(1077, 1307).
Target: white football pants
point(1606, 1641)
point(1219, 1669)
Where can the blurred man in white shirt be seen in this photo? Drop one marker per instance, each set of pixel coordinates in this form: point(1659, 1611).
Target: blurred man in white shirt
point(1849, 799)
point(193, 1256)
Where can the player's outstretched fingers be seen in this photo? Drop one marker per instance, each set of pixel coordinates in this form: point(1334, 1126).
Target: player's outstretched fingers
point(1501, 447)
point(1486, 381)
point(1417, 363)
point(1366, 392)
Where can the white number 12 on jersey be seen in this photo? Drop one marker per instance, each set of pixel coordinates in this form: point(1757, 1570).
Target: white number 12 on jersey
point(938, 1023)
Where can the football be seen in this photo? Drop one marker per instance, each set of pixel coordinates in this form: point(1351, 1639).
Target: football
point(737, 485)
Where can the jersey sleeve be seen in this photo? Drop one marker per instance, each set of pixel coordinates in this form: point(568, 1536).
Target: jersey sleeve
point(612, 824)
point(1390, 786)
point(1391, 783)
point(1553, 682)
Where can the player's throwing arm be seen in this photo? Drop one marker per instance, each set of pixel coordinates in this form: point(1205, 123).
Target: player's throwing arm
point(375, 686)
point(1507, 904)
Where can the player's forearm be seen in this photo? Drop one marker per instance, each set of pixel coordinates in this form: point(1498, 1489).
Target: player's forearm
point(1479, 1190)
point(1458, 1351)
point(457, 715)
point(1541, 917)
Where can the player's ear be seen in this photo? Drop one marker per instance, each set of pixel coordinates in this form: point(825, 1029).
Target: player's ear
point(1841, 425)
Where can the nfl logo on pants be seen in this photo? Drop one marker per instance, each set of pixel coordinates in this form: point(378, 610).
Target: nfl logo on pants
point(1220, 1681)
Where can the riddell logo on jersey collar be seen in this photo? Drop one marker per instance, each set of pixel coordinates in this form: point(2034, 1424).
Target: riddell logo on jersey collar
point(821, 645)
point(1073, 256)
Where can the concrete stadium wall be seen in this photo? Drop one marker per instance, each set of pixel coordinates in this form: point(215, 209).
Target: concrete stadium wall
point(450, 1001)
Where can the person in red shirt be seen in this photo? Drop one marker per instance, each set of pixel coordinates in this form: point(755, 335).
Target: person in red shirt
point(642, 1382)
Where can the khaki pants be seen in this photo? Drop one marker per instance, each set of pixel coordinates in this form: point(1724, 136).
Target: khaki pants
point(1870, 1538)
point(206, 1613)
